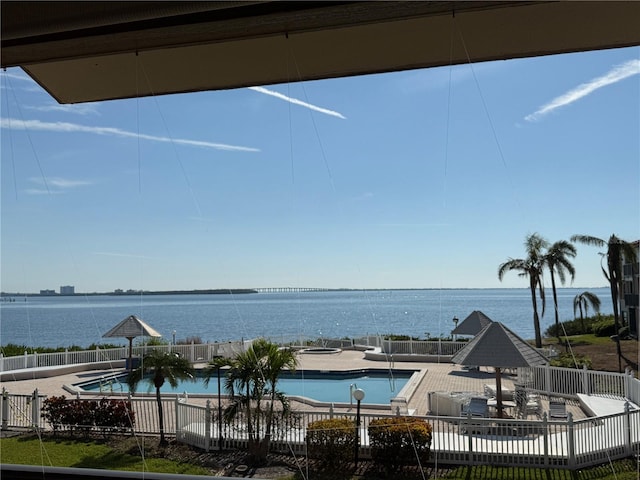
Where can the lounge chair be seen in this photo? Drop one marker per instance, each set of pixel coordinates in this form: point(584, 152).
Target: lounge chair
point(557, 408)
point(477, 407)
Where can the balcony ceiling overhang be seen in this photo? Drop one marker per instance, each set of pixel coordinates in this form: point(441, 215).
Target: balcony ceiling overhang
point(89, 51)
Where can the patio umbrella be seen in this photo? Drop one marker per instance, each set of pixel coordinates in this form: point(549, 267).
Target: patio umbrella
point(473, 324)
point(130, 328)
point(498, 347)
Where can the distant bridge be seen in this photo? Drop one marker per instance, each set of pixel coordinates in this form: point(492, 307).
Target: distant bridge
point(290, 289)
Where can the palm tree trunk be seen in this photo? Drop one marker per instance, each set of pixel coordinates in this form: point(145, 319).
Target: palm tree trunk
point(613, 280)
point(581, 317)
point(536, 320)
point(160, 416)
point(555, 304)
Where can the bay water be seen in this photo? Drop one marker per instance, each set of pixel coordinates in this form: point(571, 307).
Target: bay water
point(62, 321)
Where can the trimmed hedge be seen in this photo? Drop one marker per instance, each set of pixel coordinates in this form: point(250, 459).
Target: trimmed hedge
point(398, 441)
point(332, 442)
point(105, 415)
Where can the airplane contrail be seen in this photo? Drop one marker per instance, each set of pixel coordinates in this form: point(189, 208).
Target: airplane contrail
point(117, 132)
point(295, 101)
point(618, 73)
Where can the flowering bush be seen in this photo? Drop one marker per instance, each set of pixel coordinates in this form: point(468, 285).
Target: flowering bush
point(398, 441)
point(332, 442)
point(105, 415)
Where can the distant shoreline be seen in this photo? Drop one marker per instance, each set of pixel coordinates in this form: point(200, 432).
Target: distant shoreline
point(137, 293)
point(241, 291)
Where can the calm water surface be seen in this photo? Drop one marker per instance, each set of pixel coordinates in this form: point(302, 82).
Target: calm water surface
point(82, 320)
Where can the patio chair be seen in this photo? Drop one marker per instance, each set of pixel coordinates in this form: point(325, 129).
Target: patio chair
point(557, 408)
point(527, 403)
point(477, 407)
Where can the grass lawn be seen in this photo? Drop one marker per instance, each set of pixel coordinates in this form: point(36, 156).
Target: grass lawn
point(60, 452)
point(63, 452)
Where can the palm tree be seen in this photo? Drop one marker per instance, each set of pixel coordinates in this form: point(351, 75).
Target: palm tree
point(156, 368)
point(531, 267)
point(616, 250)
point(581, 302)
point(252, 380)
point(557, 261)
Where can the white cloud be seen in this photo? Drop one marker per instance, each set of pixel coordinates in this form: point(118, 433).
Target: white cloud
point(66, 183)
point(41, 191)
point(78, 108)
point(66, 127)
point(618, 73)
point(295, 101)
point(60, 185)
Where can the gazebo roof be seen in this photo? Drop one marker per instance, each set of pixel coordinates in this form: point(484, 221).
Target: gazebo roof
point(497, 346)
point(473, 324)
point(132, 327)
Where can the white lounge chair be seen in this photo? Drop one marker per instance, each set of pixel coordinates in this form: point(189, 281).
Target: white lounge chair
point(557, 408)
point(477, 407)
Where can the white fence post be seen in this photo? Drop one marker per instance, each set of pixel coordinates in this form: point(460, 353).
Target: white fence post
point(207, 426)
point(5, 409)
point(545, 431)
point(571, 461)
point(547, 379)
point(585, 380)
point(627, 428)
point(35, 410)
point(1, 362)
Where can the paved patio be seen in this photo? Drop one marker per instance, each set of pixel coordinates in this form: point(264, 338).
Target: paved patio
point(440, 377)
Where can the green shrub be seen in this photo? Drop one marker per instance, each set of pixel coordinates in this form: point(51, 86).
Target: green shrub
point(397, 441)
point(567, 360)
point(332, 442)
point(604, 328)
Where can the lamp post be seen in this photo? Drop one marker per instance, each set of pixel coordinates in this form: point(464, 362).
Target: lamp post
point(174, 338)
point(358, 394)
point(455, 325)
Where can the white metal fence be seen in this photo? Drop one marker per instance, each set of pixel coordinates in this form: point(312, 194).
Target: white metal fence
point(571, 381)
point(456, 440)
point(193, 352)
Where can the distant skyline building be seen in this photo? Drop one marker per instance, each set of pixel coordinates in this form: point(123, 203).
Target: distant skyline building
point(47, 292)
point(67, 290)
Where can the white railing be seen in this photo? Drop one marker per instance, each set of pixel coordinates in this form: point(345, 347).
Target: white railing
point(421, 347)
point(571, 381)
point(456, 440)
point(193, 352)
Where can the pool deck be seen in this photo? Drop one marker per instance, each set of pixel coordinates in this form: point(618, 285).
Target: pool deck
point(439, 377)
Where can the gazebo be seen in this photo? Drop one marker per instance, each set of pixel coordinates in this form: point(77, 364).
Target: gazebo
point(498, 347)
point(130, 328)
point(473, 324)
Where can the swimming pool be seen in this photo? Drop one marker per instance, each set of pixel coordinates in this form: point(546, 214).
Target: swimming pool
point(380, 385)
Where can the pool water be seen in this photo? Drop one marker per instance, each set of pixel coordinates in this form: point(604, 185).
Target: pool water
point(380, 386)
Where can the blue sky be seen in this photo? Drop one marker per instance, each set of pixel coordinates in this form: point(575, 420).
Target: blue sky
point(419, 179)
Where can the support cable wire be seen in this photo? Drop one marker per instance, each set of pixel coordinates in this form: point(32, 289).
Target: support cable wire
point(488, 115)
point(171, 140)
point(334, 190)
point(12, 154)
